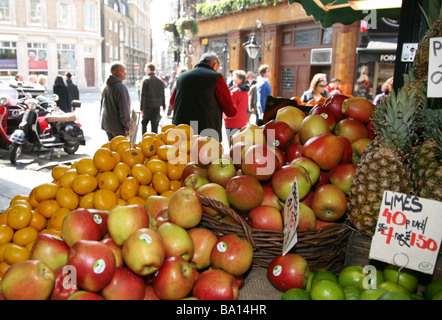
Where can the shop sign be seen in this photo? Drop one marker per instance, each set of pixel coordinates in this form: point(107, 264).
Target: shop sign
point(291, 219)
point(409, 227)
point(435, 69)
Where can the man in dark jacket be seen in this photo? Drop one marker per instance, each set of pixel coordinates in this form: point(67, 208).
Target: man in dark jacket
point(152, 98)
point(201, 96)
point(74, 94)
point(115, 113)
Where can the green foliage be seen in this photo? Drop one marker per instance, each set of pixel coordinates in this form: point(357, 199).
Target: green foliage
point(219, 8)
point(186, 23)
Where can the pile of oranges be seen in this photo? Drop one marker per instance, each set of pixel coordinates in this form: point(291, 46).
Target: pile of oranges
point(117, 174)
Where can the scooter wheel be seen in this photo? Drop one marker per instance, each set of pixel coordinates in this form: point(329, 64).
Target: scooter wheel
point(15, 152)
point(71, 149)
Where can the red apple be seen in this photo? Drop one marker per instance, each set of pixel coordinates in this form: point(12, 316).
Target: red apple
point(260, 162)
point(342, 176)
point(85, 295)
point(311, 167)
point(185, 208)
point(149, 293)
point(220, 171)
point(293, 151)
point(116, 250)
point(203, 241)
point(195, 181)
point(358, 108)
point(351, 129)
point(65, 283)
point(370, 128)
point(94, 263)
point(265, 217)
point(123, 220)
point(292, 116)
point(278, 134)
point(280, 155)
point(244, 192)
point(323, 179)
point(193, 167)
point(250, 133)
point(346, 158)
point(326, 150)
point(79, 224)
point(176, 240)
point(155, 204)
point(232, 254)
point(326, 113)
point(50, 249)
point(288, 271)
point(308, 199)
point(329, 203)
point(237, 152)
point(307, 218)
point(283, 179)
point(270, 197)
point(162, 218)
point(27, 280)
point(100, 218)
point(313, 125)
point(359, 145)
point(124, 285)
point(205, 149)
point(334, 103)
point(174, 280)
point(215, 284)
point(215, 191)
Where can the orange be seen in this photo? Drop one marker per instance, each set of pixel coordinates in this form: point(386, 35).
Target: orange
point(15, 253)
point(2, 250)
point(135, 200)
point(115, 141)
point(108, 180)
point(123, 145)
point(4, 216)
point(167, 127)
point(160, 137)
point(132, 157)
point(73, 165)
point(58, 170)
point(25, 236)
point(117, 156)
point(168, 193)
point(106, 145)
point(129, 188)
point(29, 246)
point(122, 171)
point(142, 173)
point(19, 216)
point(174, 136)
point(20, 197)
point(46, 208)
point(86, 166)
point(157, 165)
point(186, 129)
point(38, 221)
point(160, 182)
point(184, 147)
point(31, 198)
point(20, 201)
point(6, 234)
point(145, 191)
point(175, 185)
point(87, 201)
point(167, 152)
point(104, 160)
point(149, 146)
point(67, 178)
point(46, 191)
point(175, 170)
point(104, 199)
point(84, 183)
point(67, 198)
point(148, 134)
point(57, 218)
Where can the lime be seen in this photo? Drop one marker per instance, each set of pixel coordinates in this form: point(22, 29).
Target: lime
point(416, 296)
point(379, 277)
point(437, 295)
point(393, 295)
point(295, 294)
point(407, 278)
point(393, 286)
point(326, 289)
point(324, 274)
point(352, 293)
point(309, 281)
point(372, 294)
point(432, 288)
point(351, 276)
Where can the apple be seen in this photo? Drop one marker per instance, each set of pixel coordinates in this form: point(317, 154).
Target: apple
point(27, 280)
point(265, 217)
point(370, 129)
point(232, 254)
point(311, 126)
point(260, 162)
point(193, 167)
point(325, 149)
point(358, 108)
point(307, 218)
point(79, 224)
point(124, 285)
point(205, 149)
point(329, 203)
point(308, 198)
point(203, 241)
point(312, 168)
point(348, 150)
point(326, 113)
point(50, 249)
point(278, 134)
point(359, 145)
point(174, 280)
point(288, 271)
point(185, 208)
point(85, 295)
point(283, 179)
point(144, 251)
point(249, 133)
point(292, 116)
point(176, 240)
point(149, 293)
point(162, 218)
point(155, 204)
point(293, 151)
point(237, 152)
point(64, 283)
point(342, 176)
point(244, 192)
point(351, 129)
point(220, 171)
point(215, 191)
point(116, 250)
point(100, 217)
point(323, 179)
point(270, 197)
point(94, 263)
point(123, 220)
point(215, 284)
point(334, 103)
point(195, 181)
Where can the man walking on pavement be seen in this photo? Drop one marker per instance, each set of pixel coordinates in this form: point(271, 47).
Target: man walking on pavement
point(74, 94)
point(152, 99)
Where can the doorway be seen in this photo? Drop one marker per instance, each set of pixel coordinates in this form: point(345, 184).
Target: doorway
point(89, 64)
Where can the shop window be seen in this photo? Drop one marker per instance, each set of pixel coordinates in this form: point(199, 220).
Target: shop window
point(8, 56)
point(5, 14)
point(66, 58)
point(288, 79)
point(307, 37)
point(327, 36)
point(37, 57)
point(36, 12)
point(287, 38)
point(66, 14)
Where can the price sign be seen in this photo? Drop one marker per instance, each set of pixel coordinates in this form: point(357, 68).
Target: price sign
point(435, 69)
point(411, 226)
point(291, 219)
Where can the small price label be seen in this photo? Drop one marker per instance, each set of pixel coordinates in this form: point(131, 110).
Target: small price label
point(411, 226)
point(435, 68)
point(291, 219)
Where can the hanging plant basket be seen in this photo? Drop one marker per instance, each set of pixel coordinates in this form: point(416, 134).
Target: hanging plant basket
point(169, 26)
point(184, 24)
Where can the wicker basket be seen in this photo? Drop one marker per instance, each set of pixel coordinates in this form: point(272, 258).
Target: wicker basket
point(323, 248)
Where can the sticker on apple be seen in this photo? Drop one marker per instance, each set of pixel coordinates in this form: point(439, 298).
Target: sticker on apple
point(222, 247)
point(277, 270)
point(98, 219)
point(146, 238)
point(99, 266)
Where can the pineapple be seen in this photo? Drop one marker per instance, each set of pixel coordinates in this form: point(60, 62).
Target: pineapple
point(384, 163)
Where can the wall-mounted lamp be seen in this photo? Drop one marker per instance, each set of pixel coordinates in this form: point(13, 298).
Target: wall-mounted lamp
point(252, 47)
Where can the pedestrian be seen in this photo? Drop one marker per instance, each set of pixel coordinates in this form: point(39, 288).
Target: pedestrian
point(201, 96)
point(32, 79)
point(229, 79)
point(152, 99)
point(240, 98)
point(74, 93)
point(42, 80)
point(115, 106)
point(252, 96)
point(263, 89)
point(386, 88)
point(317, 89)
point(138, 84)
point(59, 88)
point(334, 86)
point(172, 87)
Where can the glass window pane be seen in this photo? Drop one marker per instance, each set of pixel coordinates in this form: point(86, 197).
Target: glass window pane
point(36, 11)
point(4, 10)
point(327, 36)
point(307, 37)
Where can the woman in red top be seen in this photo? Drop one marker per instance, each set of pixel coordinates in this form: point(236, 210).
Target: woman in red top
point(240, 98)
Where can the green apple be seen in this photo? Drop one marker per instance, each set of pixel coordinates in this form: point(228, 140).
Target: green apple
point(177, 241)
point(123, 220)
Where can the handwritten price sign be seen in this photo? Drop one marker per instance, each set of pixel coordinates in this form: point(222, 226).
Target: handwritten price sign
point(409, 225)
point(291, 219)
point(435, 68)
